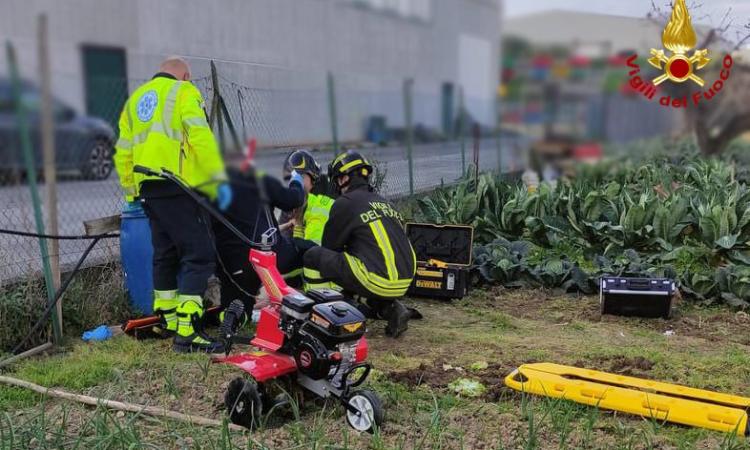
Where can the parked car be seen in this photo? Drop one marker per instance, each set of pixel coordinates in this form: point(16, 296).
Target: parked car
point(83, 145)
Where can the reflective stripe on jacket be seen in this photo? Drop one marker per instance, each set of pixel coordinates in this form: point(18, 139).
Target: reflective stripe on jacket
point(369, 231)
point(314, 280)
point(163, 125)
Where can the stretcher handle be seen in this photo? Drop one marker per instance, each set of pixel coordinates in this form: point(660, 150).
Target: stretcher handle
point(203, 203)
point(512, 382)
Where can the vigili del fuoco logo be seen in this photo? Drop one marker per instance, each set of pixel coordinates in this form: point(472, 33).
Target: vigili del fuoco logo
point(678, 64)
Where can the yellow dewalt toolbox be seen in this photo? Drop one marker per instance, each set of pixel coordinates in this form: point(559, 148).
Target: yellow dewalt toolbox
point(649, 399)
point(444, 255)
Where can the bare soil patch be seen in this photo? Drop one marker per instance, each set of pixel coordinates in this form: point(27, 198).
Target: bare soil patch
point(440, 374)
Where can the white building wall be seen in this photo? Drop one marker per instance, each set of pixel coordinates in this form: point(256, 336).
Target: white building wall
point(285, 46)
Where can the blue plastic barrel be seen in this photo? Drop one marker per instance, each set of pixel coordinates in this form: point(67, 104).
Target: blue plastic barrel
point(137, 253)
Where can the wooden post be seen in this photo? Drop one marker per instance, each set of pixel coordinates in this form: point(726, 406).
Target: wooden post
point(48, 152)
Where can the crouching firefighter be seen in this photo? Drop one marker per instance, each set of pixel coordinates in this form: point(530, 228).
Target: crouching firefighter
point(163, 126)
point(365, 249)
point(310, 221)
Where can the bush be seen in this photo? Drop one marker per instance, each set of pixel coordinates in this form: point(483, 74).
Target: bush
point(20, 306)
point(95, 297)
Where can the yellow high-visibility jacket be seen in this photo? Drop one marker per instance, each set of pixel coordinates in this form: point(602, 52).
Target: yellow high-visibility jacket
point(317, 210)
point(163, 125)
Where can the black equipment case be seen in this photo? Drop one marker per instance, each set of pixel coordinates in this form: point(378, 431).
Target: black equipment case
point(639, 297)
point(444, 255)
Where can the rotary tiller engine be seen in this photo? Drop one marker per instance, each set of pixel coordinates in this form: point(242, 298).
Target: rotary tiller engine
point(318, 341)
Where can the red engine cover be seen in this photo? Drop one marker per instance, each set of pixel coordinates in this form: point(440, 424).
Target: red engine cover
point(268, 336)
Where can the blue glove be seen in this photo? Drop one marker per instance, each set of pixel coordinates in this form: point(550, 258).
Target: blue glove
point(224, 197)
point(101, 333)
point(132, 206)
point(296, 177)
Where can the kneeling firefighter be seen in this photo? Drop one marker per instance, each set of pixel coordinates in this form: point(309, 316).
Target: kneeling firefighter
point(256, 195)
point(309, 222)
point(319, 199)
point(365, 249)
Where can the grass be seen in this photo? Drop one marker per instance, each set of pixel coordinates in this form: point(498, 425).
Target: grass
point(709, 349)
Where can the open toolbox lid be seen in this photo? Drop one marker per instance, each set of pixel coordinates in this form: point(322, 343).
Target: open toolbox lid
point(451, 244)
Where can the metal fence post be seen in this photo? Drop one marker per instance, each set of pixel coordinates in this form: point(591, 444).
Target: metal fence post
point(476, 136)
point(216, 112)
point(461, 126)
point(408, 87)
point(242, 115)
point(332, 112)
point(25, 140)
point(498, 140)
point(215, 99)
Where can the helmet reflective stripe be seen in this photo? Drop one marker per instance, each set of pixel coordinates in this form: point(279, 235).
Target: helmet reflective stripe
point(350, 165)
point(339, 158)
point(348, 162)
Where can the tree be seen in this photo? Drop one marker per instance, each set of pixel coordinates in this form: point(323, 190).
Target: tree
point(726, 116)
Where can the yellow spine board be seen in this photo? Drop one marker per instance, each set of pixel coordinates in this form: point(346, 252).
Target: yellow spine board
point(648, 399)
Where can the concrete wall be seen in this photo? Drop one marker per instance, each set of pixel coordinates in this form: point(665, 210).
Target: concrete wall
point(282, 48)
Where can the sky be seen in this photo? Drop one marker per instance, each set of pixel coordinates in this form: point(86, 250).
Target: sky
point(709, 11)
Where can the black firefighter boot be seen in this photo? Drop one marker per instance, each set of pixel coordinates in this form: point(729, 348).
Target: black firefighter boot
point(398, 317)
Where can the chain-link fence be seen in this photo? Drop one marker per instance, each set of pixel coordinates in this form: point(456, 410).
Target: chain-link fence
point(281, 109)
point(343, 110)
point(86, 187)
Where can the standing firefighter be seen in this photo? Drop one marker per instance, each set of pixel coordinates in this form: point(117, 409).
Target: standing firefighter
point(365, 249)
point(163, 126)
